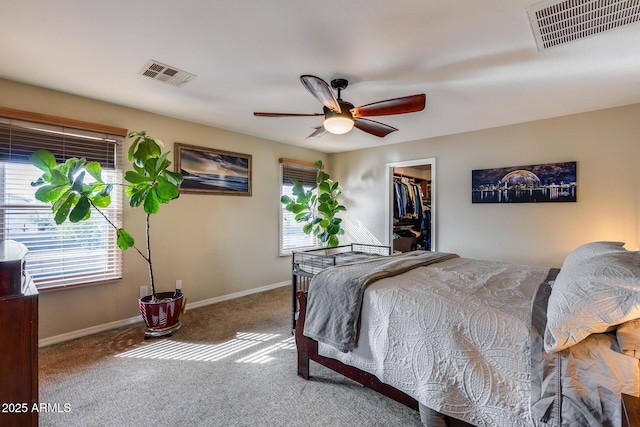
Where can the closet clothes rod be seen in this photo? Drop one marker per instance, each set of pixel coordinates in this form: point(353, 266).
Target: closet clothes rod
point(410, 178)
point(404, 175)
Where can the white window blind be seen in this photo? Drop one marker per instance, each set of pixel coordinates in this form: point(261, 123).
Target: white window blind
point(292, 238)
point(71, 253)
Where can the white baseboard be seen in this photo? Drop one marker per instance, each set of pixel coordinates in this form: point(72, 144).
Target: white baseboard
point(130, 321)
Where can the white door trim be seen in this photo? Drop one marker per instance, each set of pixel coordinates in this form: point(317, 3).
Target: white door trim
point(389, 197)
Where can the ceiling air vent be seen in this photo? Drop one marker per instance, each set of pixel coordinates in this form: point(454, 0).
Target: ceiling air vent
point(171, 75)
point(558, 22)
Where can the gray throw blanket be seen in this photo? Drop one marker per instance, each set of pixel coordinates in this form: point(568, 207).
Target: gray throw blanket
point(335, 295)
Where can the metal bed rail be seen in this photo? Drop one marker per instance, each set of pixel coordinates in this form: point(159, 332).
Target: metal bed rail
point(306, 264)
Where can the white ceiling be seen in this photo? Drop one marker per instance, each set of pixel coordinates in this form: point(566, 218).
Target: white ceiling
point(476, 61)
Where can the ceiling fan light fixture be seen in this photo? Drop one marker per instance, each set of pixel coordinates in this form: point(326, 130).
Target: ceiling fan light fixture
point(338, 125)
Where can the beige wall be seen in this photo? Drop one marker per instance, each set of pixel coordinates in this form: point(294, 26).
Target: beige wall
point(221, 245)
point(217, 245)
point(605, 144)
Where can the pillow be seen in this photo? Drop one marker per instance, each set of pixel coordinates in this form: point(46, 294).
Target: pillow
point(628, 335)
point(591, 294)
point(589, 250)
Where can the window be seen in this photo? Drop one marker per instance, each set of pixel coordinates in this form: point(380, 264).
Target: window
point(67, 254)
point(291, 235)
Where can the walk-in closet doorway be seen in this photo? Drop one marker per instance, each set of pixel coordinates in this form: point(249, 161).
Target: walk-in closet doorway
point(422, 170)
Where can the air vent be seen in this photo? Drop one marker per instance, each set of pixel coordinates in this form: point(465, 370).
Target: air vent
point(166, 73)
point(558, 22)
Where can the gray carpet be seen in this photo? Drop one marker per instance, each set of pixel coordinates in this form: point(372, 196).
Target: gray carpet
point(231, 364)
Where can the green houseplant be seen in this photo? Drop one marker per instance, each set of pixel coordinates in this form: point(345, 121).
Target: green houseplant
point(318, 211)
point(73, 196)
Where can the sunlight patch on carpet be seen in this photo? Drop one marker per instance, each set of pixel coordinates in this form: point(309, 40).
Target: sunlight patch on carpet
point(262, 355)
point(176, 350)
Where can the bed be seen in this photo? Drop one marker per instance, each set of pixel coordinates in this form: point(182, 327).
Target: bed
point(479, 342)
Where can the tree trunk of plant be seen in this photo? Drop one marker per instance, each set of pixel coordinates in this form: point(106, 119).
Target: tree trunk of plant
point(153, 287)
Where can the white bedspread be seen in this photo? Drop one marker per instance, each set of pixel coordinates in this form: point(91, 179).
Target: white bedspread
point(454, 336)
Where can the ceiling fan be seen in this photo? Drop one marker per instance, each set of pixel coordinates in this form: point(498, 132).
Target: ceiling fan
point(341, 116)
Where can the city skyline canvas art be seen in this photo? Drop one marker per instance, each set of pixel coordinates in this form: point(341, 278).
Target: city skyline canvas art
point(549, 182)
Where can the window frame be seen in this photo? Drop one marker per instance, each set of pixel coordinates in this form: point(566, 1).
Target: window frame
point(302, 171)
point(113, 141)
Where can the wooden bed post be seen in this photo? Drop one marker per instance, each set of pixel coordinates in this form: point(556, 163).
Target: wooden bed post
point(302, 344)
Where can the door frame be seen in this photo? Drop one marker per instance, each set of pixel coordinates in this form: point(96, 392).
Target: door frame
point(389, 196)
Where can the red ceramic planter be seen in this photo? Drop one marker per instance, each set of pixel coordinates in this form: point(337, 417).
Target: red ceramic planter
point(163, 314)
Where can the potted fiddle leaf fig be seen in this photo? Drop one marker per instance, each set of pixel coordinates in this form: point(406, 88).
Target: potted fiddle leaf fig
point(317, 207)
point(74, 196)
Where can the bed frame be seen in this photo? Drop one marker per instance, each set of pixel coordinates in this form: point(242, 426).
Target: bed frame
point(308, 350)
point(306, 264)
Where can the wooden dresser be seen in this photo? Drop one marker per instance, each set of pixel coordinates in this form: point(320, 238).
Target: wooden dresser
point(630, 411)
point(18, 341)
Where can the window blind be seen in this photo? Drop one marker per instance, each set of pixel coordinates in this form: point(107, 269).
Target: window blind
point(69, 254)
point(291, 235)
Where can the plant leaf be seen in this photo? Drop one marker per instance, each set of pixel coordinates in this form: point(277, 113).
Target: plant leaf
point(62, 212)
point(324, 198)
point(298, 189)
point(102, 200)
point(55, 204)
point(151, 201)
point(58, 177)
point(81, 210)
point(49, 193)
point(162, 164)
point(166, 190)
point(322, 176)
point(41, 180)
point(78, 183)
point(302, 216)
point(174, 177)
point(141, 155)
point(43, 160)
point(105, 190)
point(324, 187)
point(132, 149)
point(135, 177)
point(125, 240)
point(322, 208)
point(285, 200)
point(136, 195)
point(296, 208)
point(150, 167)
point(72, 166)
point(154, 146)
point(95, 170)
point(332, 241)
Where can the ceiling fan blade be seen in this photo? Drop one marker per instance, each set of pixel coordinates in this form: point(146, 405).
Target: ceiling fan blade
point(374, 128)
point(320, 130)
point(406, 104)
point(286, 114)
point(321, 90)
